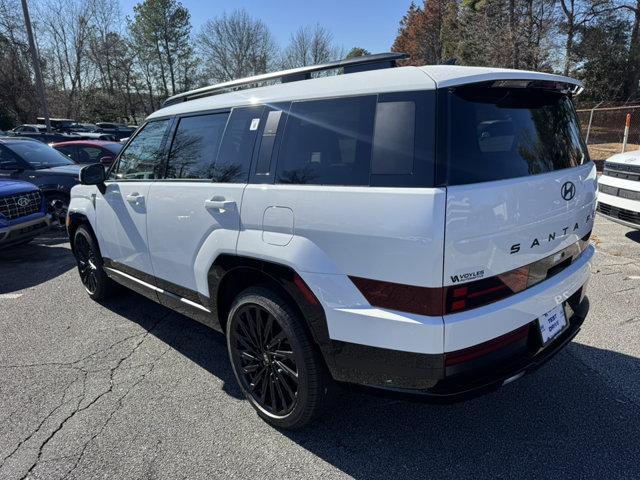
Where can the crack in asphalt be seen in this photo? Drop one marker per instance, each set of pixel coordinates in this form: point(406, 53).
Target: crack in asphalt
point(43, 421)
point(631, 320)
point(77, 408)
point(119, 405)
point(79, 360)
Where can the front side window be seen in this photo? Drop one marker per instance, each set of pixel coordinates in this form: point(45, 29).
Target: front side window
point(67, 150)
point(195, 146)
point(328, 142)
point(89, 155)
point(142, 159)
point(498, 133)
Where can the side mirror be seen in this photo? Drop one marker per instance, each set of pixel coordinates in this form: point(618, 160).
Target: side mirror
point(107, 160)
point(93, 174)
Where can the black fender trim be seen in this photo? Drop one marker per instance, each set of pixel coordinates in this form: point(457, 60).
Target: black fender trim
point(285, 277)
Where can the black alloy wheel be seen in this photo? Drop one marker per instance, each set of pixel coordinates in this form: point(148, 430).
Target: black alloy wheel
point(275, 360)
point(92, 274)
point(265, 359)
point(87, 267)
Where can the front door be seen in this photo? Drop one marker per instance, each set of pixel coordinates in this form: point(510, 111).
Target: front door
point(121, 211)
point(194, 214)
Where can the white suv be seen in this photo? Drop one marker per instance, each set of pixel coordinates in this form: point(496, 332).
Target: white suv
point(619, 189)
point(410, 229)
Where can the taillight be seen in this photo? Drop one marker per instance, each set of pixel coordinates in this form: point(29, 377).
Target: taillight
point(477, 351)
point(457, 298)
point(396, 296)
point(489, 290)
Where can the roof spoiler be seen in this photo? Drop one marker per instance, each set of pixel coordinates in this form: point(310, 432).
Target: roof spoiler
point(349, 65)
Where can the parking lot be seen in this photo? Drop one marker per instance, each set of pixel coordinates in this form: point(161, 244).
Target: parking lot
point(130, 389)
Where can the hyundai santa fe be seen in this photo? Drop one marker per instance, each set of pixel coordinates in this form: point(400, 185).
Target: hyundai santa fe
point(419, 230)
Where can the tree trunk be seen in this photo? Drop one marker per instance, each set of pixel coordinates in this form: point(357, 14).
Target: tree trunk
point(634, 56)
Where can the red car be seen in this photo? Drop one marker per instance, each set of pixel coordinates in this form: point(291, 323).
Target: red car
point(90, 151)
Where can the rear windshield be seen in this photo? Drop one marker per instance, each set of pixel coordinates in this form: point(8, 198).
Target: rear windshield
point(500, 133)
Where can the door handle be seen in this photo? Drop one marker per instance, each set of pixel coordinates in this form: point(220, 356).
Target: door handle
point(134, 197)
point(219, 203)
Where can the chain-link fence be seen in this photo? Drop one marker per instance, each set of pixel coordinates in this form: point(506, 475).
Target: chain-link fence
point(604, 130)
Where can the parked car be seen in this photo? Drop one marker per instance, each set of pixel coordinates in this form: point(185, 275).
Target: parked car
point(117, 130)
point(83, 127)
point(57, 124)
point(28, 128)
point(321, 226)
point(90, 151)
point(619, 189)
point(37, 163)
point(23, 212)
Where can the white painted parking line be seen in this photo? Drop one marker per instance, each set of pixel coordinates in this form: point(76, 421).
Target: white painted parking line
point(10, 296)
point(633, 277)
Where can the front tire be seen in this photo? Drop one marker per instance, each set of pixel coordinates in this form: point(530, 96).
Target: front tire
point(274, 359)
point(58, 205)
point(90, 265)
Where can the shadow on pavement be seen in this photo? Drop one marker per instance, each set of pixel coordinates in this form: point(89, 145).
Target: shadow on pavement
point(199, 343)
point(564, 421)
point(633, 235)
point(28, 265)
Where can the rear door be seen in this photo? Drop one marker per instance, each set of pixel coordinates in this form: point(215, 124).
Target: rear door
point(520, 185)
point(194, 214)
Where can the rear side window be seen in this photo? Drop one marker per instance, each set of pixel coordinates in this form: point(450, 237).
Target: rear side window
point(142, 159)
point(328, 142)
point(234, 157)
point(195, 146)
point(393, 144)
point(501, 133)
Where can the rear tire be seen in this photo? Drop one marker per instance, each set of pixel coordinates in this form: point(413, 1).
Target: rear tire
point(275, 360)
point(90, 265)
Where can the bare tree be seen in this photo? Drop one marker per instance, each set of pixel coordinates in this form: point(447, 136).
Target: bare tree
point(235, 46)
point(17, 91)
point(66, 25)
point(310, 46)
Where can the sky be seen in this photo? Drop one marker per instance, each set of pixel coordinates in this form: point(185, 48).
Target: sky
point(370, 24)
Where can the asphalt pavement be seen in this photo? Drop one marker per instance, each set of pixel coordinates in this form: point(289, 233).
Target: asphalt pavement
point(129, 389)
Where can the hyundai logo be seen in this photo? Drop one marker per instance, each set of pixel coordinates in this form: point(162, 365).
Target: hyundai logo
point(568, 191)
point(23, 201)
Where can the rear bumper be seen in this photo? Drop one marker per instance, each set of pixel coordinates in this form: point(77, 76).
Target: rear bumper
point(423, 372)
point(481, 378)
point(21, 232)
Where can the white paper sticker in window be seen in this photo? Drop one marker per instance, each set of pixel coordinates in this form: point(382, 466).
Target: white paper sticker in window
point(254, 124)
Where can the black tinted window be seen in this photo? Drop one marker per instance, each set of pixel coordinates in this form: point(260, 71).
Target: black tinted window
point(498, 133)
point(8, 160)
point(393, 144)
point(39, 155)
point(234, 157)
point(66, 150)
point(142, 158)
point(195, 146)
point(328, 142)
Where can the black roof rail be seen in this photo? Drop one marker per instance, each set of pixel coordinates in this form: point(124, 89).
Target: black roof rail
point(349, 65)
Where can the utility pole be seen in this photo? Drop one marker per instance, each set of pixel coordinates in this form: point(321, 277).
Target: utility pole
point(36, 66)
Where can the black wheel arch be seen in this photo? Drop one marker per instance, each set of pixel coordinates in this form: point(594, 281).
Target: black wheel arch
point(230, 274)
point(76, 219)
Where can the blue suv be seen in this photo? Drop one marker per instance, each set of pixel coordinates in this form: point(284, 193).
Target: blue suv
point(22, 212)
